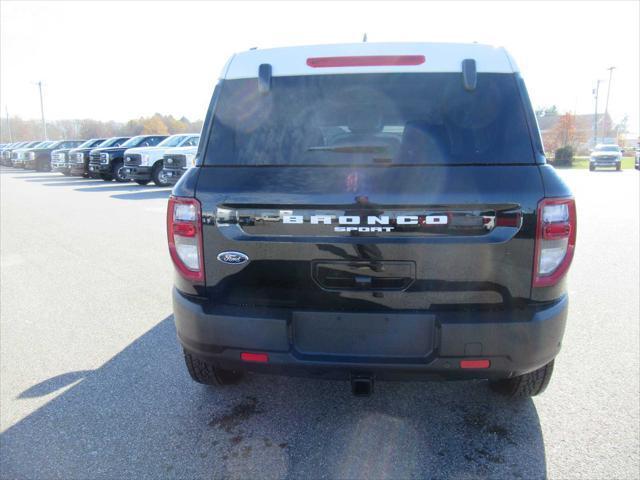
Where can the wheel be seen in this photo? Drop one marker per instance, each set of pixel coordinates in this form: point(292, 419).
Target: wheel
point(527, 385)
point(118, 172)
point(592, 168)
point(204, 372)
point(107, 177)
point(618, 167)
point(66, 174)
point(142, 182)
point(158, 175)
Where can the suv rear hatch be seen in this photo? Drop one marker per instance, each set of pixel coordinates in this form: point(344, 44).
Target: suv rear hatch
point(370, 192)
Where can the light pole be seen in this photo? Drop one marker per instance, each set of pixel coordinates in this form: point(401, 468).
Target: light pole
point(44, 124)
point(606, 105)
point(595, 116)
point(6, 109)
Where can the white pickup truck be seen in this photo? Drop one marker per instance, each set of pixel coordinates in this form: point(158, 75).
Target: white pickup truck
point(177, 161)
point(144, 164)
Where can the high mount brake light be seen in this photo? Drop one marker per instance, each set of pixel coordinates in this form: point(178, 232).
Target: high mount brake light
point(365, 61)
point(184, 232)
point(555, 240)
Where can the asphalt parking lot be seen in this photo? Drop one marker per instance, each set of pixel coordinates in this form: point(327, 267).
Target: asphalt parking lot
point(93, 383)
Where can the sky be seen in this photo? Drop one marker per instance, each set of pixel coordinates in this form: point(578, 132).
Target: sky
point(121, 60)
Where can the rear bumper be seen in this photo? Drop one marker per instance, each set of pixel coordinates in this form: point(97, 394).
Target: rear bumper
point(137, 173)
point(513, 346)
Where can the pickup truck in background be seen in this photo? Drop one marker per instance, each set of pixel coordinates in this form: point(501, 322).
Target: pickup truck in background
point(108, 162)
point(19, 156)
point(39, 158)
point(78, 158)
point(177, 161)
point(144, 164)
point(61, 160)
point(7, 149)
point(82, 157)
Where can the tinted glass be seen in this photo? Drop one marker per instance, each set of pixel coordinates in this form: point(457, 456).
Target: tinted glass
point(143, 141)
point(192, 142)
point(94, 142)
point(172, 141)
point(153, 141)
point(114, 142)
point(425, 118)
point(607, 148)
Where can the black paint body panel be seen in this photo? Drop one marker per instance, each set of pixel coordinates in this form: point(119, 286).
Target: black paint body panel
point(491, 269)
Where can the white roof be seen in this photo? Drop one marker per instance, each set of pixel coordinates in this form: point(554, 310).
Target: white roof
point(438, 57)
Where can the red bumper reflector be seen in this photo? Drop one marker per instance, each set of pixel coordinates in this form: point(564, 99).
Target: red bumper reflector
point(365, 61)
point(474, 363)
point(254, 357)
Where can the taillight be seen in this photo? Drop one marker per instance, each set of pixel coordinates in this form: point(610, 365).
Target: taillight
point(555, 240)
point(184, 231)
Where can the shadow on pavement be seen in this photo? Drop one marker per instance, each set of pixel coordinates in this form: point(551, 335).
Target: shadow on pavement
point(146, 195)
point(140, 416)
point(53, 384)
point(112, 187)
point(47, 178)
point(75, 183)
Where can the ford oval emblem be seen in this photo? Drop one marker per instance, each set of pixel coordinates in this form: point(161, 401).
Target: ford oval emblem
point(233, 258)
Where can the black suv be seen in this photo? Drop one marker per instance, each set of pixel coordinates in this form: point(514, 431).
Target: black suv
point(108, 162)
point(39, 157)
point(370, 217)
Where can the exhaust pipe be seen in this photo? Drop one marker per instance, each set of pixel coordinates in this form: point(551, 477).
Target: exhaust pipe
point(361, 385)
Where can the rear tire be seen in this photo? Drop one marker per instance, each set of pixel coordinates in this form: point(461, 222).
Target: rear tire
point(618, 167)
point(592, 168)
point(159, 178)
point(524, 386)
point(106, 177)
point(142, 182)
point(202, 371)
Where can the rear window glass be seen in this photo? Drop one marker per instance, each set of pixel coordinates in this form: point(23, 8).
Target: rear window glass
point(407, 118)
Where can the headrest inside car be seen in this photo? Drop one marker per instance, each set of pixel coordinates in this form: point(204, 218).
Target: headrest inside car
point(365, 121)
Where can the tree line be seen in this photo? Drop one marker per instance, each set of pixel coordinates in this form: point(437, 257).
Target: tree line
point(18, 129)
